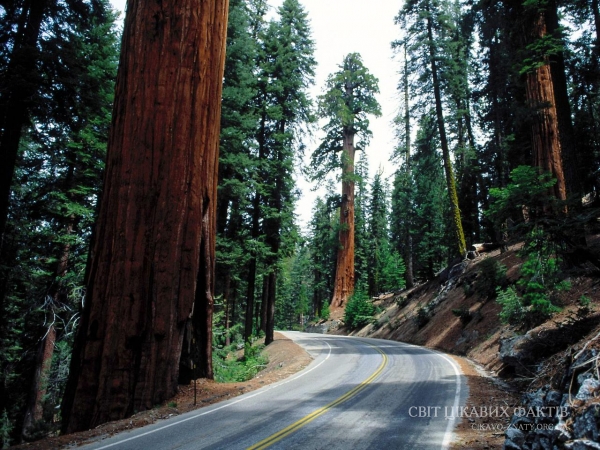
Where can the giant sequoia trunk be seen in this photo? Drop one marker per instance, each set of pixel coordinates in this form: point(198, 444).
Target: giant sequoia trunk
point(545, 133)
point(344, 271)
point(153, 255)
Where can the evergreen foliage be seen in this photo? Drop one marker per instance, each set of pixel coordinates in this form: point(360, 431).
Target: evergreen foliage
point(385, 265)
point(323, 248)
point(54, 194)
point(491, 277)
point(348, 101)
point(362, 237)
point(230, 369)
point(430, 223)
point(359, 310)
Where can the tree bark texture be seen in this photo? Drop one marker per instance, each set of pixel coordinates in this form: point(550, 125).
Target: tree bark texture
point(270, 308)
point(545, 135)
point(34, 411)
point(153, 256)
point(570, 157)
point(344, 269)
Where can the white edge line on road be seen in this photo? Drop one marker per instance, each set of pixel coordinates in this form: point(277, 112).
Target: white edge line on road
point(452, 420)
point(268, 388)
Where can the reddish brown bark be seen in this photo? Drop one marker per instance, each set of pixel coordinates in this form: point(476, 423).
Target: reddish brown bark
point(545, 135)
point(153, 255)
point(34, 411)
point(344, 272)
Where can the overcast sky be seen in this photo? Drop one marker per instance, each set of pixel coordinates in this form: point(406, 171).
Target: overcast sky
point(340, 27)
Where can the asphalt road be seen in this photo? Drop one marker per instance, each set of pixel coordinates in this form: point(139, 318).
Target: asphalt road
point(358, 393)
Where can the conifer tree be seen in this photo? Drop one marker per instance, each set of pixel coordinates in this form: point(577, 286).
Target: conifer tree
point(378, 232)
point(362, 239)
point(323, 243)
point(402, 193)
point(237, 173)
point(290, 69)
point(431, 208)
point(426, 23)
point(56, 185)
point(531, 28)
point(348, 101)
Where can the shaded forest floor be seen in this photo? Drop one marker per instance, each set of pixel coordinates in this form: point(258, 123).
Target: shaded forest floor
point(476, 342)
point(285, 359)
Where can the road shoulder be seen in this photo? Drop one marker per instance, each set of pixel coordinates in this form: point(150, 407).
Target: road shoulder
point(285, 359)
point(478, 430)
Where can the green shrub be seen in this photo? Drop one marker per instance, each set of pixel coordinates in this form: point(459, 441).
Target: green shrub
point(468, 289)
point(422, 317)
point(527, 188)
point(513, 312)
point(325, 311)
point(359, 310)
point(492, 275)
point(228, 369)
point(584, 306)
point(401, 301)
point(540, 275)
point(5, 430)
point(463, 314)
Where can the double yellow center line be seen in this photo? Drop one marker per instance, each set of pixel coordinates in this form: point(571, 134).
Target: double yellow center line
point(319, 412)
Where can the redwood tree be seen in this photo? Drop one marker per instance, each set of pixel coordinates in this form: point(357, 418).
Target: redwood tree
point(349, 99)
point(545, 129)
point(153, 253)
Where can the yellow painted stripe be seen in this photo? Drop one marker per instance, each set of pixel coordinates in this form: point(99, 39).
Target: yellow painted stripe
point(319, 412)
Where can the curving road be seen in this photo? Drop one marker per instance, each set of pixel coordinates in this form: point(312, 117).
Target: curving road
point(358, 393)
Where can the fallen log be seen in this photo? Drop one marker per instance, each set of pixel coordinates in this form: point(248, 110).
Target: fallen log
point(484, 247)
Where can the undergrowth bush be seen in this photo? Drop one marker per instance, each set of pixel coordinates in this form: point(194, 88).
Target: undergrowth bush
point(463, 314)
point(513, 312)
point(422, 317)
point(5, 430)
point(492, 275)
point(539, 282)
point(359, 310)
point(539, 219)
point(228, 368)
point(325, 311)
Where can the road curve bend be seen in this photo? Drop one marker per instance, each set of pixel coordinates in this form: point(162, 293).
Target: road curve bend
point(357, 393)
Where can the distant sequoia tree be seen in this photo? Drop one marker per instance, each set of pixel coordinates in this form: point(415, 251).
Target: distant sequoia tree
point(152, 258)
point(349, 99)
